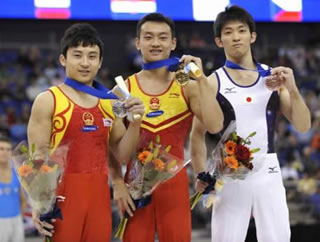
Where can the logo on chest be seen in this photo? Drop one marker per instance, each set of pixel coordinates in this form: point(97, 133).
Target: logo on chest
point(174, 95)
point(249, 99)
point(228, 90)
point(154, 106)
point(88, 121)
point(154, 103)
point(107, 122)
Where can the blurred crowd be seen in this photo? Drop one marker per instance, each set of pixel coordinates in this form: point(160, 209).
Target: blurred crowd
point(27, 71)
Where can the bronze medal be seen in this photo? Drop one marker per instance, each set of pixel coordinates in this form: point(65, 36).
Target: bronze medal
point(273, 84)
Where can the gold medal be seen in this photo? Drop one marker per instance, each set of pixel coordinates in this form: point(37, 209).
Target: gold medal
point(182, 77)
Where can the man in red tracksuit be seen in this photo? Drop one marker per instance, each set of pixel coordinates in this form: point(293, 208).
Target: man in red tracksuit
point(169, 112)
point(67, 115)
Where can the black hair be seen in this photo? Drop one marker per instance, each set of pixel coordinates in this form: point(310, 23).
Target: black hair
point(156, 17)
point(4, 138)
point(233, 13)
point(80, 34)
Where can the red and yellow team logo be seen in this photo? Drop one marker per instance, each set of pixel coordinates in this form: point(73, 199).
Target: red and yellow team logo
point(154, 103)
point(87, 118)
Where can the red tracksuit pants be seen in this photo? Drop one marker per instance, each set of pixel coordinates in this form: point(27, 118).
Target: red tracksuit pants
point(86, 210)
point(168, 214)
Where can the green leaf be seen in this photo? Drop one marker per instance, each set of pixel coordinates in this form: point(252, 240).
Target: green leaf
point(158, 139)
point(234, 136)
point(255, 150)
point(156, 152)
point(150, 145)
point(168, 148)
point(252, 134)
point(23, 149)
point(33, 148)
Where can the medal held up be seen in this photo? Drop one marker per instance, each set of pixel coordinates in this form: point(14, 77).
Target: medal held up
point(183, 73)
point(118, 108)
point(273, 83)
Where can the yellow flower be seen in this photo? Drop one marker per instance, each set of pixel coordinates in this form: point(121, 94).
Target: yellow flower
point(232, 162)
point(171, 164)
point(230, 147)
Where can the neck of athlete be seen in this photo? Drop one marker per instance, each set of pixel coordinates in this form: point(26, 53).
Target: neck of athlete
point(245, 61)
point(4, 166)
point(160, 74)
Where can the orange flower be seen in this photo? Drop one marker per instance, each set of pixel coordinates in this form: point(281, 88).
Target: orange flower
point(230, 147)
point(232, 162)
point(159, 164)
point(24, 170)
point(143, 156)
point(45, 169)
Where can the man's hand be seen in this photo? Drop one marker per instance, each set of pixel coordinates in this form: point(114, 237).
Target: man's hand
point(122, 198)
point(286, 77)
point(186, 59)
point(200, 186)
point(135, 106)
point(42, 226)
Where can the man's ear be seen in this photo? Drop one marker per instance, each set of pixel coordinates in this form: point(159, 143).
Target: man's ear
point(218, 42)
point(174, 44)
point(100, 64)
point(62, 60)
point(253, 37)
point(138, 43)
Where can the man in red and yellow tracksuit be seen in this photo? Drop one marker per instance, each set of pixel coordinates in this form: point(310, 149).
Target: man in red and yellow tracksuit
point(78, 113)
point(86, 210)
point(169, 113)
point(170, 201)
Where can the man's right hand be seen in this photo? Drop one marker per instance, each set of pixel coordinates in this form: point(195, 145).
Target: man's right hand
point(42, 226)
point(199, 185)
point(122, 198)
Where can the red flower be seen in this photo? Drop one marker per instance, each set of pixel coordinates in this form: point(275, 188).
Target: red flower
point(38, 163)
point(242, 153)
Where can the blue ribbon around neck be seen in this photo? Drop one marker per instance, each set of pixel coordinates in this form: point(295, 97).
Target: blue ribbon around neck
point(171, 64)
point(97, 89)
point(260, 69)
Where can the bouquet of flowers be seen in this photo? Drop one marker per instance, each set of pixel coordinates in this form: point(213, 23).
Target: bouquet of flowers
point(40, 177)
point(152, 166)
point(231, 160)
point(232, 156)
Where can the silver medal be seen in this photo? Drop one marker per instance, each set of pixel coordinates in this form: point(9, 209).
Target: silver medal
point(119, 110)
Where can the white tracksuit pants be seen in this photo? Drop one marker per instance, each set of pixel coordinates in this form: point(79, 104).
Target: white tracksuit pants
point(262, 195)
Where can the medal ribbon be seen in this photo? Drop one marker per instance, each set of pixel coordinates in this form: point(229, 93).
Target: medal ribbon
point(171, 64)
point(97, 89)
point(260, 69)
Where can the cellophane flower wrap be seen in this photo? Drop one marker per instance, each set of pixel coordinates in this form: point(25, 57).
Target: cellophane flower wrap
point(152, 165)
point(232, 157)
point(40, 176)
point(231, 160)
